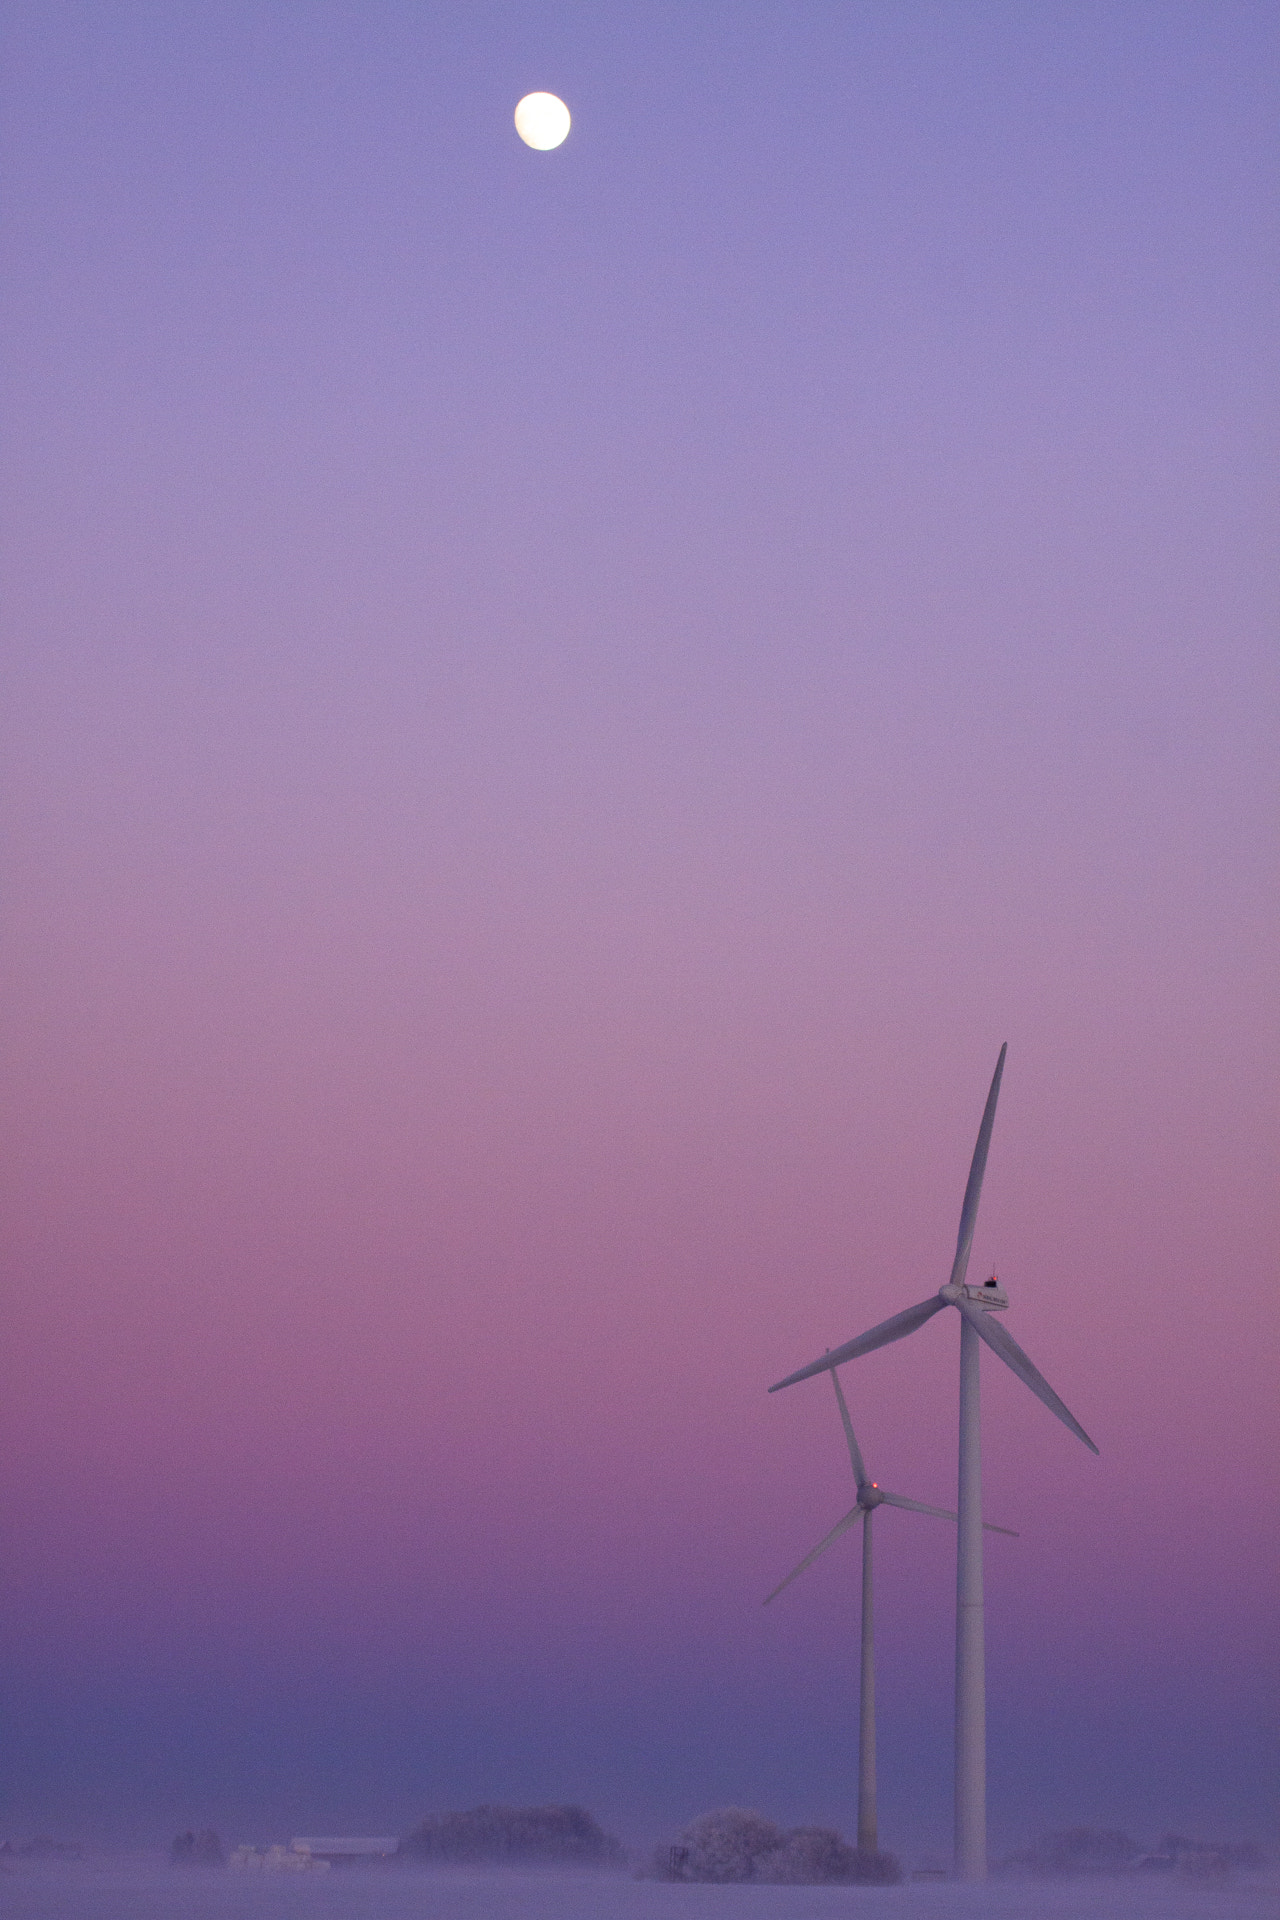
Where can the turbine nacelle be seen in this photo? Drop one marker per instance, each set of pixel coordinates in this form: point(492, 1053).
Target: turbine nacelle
point(991, 1296)
point(869, 1494)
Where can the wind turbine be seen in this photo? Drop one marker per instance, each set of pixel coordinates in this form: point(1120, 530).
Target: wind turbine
point(870, 1496)
point(975, 1306)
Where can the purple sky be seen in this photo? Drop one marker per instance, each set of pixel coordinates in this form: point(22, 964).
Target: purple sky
point(557, 709)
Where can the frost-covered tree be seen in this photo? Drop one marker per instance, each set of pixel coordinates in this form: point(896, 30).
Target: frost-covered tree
point(728, 1845)
point(1079, 1850)
point(734, 1844)
point(203, 1849)
point(561, 1836)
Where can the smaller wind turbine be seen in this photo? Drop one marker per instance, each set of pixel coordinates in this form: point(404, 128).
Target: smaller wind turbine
point(870, 1496)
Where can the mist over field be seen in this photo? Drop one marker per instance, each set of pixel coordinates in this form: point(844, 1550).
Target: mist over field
point(141, 1891)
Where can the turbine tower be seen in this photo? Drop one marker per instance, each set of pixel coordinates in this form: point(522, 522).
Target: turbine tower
point(975, 1306)
point(870, 1496)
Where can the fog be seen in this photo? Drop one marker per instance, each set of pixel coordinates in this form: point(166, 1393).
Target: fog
point(139, 1889)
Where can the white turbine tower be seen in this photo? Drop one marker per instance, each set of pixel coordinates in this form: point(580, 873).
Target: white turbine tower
point(870, 1496)
point(975, 1306)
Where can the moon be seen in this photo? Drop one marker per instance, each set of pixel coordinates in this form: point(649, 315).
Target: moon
point(542, 121)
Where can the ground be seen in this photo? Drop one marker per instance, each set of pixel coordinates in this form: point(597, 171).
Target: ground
point(150, 1890)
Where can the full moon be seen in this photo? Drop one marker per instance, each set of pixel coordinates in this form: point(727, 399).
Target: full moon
point(542, 121)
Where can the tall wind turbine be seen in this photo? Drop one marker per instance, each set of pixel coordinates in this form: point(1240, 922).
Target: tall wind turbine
point(870, 1496)
point(975, 1306)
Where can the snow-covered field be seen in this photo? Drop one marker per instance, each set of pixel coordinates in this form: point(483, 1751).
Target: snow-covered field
point(145, 1890)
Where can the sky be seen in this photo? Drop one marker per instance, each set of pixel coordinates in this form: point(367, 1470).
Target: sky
point(557, 710)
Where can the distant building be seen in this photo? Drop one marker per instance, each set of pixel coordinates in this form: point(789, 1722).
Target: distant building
point(340, 1852)
point(275, 1860)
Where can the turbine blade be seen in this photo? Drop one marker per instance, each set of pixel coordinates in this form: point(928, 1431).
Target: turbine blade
point(978, 1166)
point(943, 1513)
point(914, 1506)
point(851, 1519)
point(855, 1452)
point(1011, 1353)
point(894, 1329)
